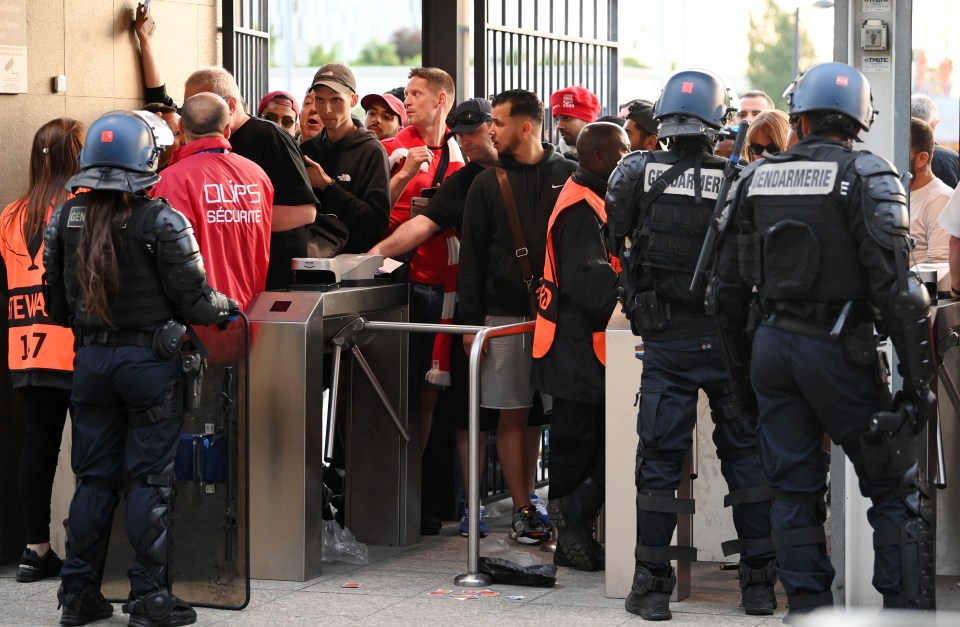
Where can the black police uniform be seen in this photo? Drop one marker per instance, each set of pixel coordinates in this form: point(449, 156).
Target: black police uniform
point(126, 389)
point(820, 232)
point(669, 197)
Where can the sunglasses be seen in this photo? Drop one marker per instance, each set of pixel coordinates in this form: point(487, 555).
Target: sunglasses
point(759, 149)
point(285, 121)
point(472, 117)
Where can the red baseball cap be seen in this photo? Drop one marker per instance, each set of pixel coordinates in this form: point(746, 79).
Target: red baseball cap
point(392, 102)
point(577, 102)
point(279, 97)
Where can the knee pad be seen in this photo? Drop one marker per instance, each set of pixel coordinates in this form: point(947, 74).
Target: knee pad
point(153, 547)
point(917, 573)
point(915, 539)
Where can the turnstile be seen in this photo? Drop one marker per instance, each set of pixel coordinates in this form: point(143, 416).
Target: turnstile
point(291, 333)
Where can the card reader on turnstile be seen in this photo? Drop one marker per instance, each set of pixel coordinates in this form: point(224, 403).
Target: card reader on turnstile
point(326, 274)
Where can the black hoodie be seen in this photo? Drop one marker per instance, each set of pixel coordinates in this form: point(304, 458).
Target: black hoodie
point(360, 192)
point(490, 277)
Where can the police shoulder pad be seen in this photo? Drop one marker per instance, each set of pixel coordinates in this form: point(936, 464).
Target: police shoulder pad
point(869, 164)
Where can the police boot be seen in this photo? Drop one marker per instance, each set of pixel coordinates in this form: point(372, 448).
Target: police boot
point(83, 607)
point(159, 609)
point(756, 589)
point(573, 517)
point(650, 594)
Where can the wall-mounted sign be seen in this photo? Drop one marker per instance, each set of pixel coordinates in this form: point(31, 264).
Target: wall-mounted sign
point(13, 46)
point(876, 6)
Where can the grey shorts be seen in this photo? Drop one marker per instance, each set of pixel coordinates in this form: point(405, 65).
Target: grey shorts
point(505, 370)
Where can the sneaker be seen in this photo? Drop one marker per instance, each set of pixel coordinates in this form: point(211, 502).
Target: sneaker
point(465, 522)
point(528, 528)
point(541, 506)
point(83, 608)
point(34, 568)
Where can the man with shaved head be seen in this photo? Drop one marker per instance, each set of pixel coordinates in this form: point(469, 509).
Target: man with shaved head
point(227, 198)
point(575, 300)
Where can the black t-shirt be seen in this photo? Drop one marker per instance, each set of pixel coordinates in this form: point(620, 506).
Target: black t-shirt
point(275, 151)
point(446, 206)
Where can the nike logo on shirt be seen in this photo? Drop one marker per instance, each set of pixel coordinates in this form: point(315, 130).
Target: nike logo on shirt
point(557, 186)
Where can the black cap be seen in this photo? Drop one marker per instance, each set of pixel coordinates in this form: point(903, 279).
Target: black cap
point(641, 112)
point(470, 115)
point(335, 76)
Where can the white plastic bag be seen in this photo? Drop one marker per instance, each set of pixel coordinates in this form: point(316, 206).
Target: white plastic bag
point(339, 545)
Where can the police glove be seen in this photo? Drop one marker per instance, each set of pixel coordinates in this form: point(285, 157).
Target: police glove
point(233, 307)
point(924, 402)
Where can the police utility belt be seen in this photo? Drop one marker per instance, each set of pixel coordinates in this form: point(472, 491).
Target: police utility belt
point(858, 337)
point(167, 341)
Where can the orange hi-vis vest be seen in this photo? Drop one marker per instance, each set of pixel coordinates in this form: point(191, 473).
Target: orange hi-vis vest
point(36, 342)
point(548, 293)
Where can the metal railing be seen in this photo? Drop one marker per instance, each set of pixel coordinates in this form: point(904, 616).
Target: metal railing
point(343, 339)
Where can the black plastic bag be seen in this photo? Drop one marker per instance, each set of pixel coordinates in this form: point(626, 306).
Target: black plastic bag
point(505, 571)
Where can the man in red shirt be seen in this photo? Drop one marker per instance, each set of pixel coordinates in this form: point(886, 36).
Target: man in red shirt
point(422, 155)
point(227, 198)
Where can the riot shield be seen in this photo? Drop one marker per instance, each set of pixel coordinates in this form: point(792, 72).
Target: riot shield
point(210, 555)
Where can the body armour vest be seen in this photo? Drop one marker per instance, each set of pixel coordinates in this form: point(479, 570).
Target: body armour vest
point(801, 225)
point(673, 230)
point(140, 300)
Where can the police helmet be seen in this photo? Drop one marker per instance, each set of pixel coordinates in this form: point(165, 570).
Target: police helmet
point(832, 87)
point(693, 102)
point(121, 152)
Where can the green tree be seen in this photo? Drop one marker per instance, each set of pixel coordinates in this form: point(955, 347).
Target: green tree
point(320, 56)
point(378, 53)
point(770, 60)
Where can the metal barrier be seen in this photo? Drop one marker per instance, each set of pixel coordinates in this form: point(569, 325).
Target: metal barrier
point(472, 578)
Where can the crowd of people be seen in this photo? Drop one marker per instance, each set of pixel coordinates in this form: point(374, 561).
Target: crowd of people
point(180, 214)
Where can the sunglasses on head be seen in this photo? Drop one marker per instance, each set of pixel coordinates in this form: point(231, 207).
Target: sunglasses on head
point(285, 121)
point(472, 117)
point(759, 149)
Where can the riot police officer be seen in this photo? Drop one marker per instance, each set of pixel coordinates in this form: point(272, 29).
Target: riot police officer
point(821, 234)
point(659, 205)
point(125, 271)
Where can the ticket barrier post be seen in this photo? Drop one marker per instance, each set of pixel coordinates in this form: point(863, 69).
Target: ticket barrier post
point(290, 351)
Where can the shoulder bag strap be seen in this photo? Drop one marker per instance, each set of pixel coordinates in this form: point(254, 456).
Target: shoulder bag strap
point(521, 252)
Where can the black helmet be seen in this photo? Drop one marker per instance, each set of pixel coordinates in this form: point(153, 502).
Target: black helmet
point(121, 152)
point(832, 87)
point(693, 102)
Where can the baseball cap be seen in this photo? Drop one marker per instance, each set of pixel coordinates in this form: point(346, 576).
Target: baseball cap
point(577, 102)
point(392, 102)
point(279, 97)
point(471, 114)
point(641, 112)
point(337, 77)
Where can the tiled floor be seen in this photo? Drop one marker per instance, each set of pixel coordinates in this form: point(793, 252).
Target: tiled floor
point(395, 585)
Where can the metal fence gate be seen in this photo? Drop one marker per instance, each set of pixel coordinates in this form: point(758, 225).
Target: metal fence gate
point(246, 47)
point(546, 45)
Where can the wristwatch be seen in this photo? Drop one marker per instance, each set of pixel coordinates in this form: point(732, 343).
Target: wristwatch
point(954, 292)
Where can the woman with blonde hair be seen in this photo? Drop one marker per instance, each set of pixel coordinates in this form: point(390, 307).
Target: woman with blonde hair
point(40, 353)
point(767, 134)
